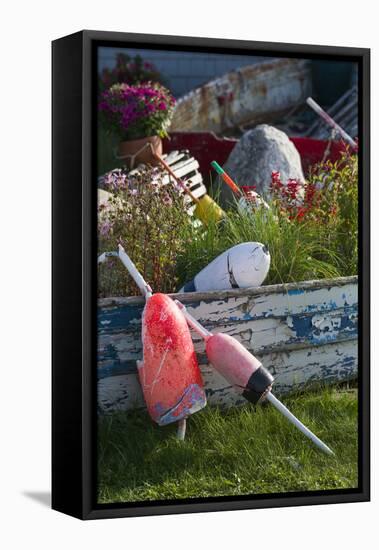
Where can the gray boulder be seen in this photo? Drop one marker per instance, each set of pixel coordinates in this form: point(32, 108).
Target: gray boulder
point(258, 153)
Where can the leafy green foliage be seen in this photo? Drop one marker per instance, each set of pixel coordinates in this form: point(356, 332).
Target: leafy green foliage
point(311, 239)
point(321, 243)
point(298, 252)
point(336, 206)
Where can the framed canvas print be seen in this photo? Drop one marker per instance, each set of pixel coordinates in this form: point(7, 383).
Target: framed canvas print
point(210, 274)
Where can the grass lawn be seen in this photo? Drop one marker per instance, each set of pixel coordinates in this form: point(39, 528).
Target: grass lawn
point(236, 452)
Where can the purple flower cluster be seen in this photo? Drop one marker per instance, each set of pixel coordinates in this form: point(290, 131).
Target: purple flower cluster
point(137, 111)
point(105, 227)
point(115, 180)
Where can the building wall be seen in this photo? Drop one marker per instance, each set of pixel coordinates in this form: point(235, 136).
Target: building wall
point(183, 70)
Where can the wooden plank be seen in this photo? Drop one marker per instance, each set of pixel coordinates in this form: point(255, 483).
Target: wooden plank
point(174, 156)
point(199, 191)
point(286, 288)
point(309, 329)
point(118, 350)
point(231, 306)
point(175, 159)
point(191, 166)
point(195, 180)
point(191, 182)
point(180, 163)
point(329, 363)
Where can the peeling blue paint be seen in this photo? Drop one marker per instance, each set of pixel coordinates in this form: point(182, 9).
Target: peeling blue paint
point(306, 327)
point(116, 368)
point(118, 318)
point(296, 292)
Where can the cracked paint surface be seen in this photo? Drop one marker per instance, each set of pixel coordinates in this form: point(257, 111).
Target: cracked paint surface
point(169, 373)
point(301, 333)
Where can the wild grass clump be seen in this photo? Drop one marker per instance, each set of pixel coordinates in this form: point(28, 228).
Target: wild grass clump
point(335, 204)
point(298, 252)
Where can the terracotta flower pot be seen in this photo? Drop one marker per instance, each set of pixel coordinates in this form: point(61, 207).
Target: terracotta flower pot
point(137, 151)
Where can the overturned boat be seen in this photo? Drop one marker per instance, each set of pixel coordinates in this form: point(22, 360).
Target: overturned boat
point(305, 334)
point(249, 95)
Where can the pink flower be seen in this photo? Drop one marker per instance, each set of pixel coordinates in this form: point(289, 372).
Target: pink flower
point(136, 111)
point(166, 199)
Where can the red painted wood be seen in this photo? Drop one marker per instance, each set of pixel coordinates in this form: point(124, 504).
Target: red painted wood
point(312, 150)
point(206, 146)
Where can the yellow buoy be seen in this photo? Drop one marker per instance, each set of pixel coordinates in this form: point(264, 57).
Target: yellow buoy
point(208, 210)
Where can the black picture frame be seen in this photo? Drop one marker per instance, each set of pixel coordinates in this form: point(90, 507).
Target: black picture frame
point(74, 275)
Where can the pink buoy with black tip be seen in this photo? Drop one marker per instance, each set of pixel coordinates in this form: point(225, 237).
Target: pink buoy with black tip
point(237, 365)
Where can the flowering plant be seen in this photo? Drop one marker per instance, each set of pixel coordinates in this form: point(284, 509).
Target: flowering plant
point(329, 200)
point(287, 197)
point(150, 220)
point(132, 70)
point(135, 112)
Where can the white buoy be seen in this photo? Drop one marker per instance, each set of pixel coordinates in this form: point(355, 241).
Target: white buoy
point(242, 266)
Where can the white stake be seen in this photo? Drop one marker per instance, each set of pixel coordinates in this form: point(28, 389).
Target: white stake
point(181, 432)
point(105, 255)
point(299, 425)
point(328, 119)
point(204, 333)
point(138, 279)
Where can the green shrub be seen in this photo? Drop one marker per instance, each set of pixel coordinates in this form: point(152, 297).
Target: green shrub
point(321, 242)
point(337, 185)
point(311, 238)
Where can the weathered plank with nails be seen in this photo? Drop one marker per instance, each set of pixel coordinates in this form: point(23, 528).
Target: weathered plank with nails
point(304, 333)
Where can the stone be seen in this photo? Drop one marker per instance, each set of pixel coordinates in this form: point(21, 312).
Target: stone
point(258, 153)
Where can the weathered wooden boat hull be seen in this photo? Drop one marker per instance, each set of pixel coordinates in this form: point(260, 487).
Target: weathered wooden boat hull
point(251, 94)
point(304, 334)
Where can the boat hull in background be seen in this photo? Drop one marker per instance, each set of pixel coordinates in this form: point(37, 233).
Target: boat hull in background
point(249, 95)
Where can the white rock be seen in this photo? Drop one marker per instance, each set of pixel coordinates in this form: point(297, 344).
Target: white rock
point(258, 153)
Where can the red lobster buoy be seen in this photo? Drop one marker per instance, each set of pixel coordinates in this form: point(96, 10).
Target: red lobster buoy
point(169, 373)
